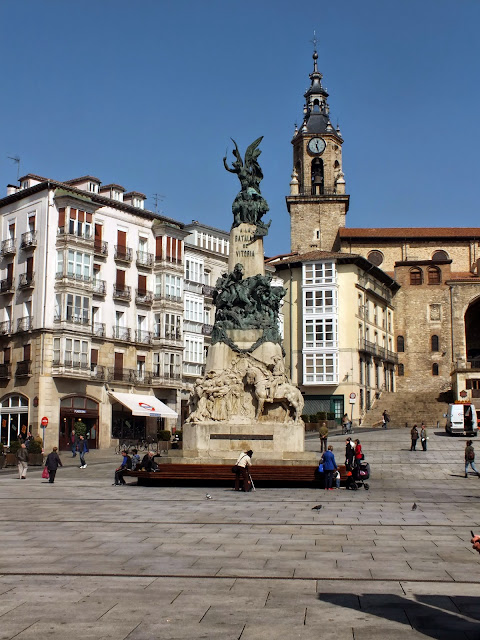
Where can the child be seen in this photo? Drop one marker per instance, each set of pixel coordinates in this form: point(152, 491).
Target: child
point(336, 476)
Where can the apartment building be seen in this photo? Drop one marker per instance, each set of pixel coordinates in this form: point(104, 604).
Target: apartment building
point(97, 306)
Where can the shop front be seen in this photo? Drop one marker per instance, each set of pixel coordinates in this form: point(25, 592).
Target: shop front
point(136, 417)
point(14, 418)
point(78, 410)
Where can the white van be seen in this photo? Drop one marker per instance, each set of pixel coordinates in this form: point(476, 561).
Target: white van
point(462, 419)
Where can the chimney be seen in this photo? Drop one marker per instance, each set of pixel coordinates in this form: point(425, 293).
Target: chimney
point(11, 189)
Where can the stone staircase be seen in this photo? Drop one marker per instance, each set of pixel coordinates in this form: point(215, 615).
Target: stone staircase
point(405, 407)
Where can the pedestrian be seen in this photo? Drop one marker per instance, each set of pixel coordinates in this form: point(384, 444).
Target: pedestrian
point(336, 477)
point(73, 443)
point(22, 461)
point(22, 436)
point(470, 458)
point(414, 437)
point(52, 463)
point(126, 464)
point(323, 433)
point(349, 454)
point(345, 423)
point(385, 419)
point(476, 543)
point(82, 448)
point(241, 470)
point(423, 436)
point(329, 466)
point(358, 453)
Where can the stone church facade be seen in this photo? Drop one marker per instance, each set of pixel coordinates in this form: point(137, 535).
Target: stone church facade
point(437, 306)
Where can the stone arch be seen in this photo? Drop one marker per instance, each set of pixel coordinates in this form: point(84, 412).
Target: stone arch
point(14, 408)
point(416, 276)
point(317, 176)
point(472, 330)
point(440, 254)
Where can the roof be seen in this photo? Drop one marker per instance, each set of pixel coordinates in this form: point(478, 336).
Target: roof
point(82, 179)
point(340, 258)
point(112, 186)
point(94, 197)
point(32, 175)
point(410, 232)
point(135, 193)
point(195, 224)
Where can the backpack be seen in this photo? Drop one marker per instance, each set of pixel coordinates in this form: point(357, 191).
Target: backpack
point(471, 454)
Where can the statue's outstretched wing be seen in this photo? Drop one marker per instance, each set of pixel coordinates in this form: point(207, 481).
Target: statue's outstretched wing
point(252, 153)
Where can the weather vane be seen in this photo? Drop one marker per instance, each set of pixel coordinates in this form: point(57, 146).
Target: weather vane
point(314, 41)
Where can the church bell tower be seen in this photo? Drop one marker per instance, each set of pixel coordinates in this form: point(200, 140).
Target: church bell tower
point(317, 202)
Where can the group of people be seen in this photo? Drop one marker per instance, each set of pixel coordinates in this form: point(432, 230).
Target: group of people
point(133, 463)
point(415, 435)
point(353, 459)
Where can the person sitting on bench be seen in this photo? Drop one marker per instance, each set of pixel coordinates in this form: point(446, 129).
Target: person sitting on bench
point(126, 464)
point(148, 462)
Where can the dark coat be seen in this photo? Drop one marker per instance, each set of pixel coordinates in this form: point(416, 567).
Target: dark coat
point(149, 463)
point(53, 461)
point(22, 455)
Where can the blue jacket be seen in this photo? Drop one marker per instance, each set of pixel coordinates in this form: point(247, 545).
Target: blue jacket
point(329, 463)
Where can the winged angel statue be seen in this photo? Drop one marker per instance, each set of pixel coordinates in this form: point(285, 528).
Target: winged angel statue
point(249, 206)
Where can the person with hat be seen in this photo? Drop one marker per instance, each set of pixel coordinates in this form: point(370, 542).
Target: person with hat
point(241, 470)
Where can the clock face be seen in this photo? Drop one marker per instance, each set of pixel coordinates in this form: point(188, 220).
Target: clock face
point(316, 145)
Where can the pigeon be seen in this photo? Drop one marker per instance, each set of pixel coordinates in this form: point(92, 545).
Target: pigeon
point(317, 507)
point(208, 496)
point(414, 506)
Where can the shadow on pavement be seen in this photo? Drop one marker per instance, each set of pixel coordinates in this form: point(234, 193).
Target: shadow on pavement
point(436, 616)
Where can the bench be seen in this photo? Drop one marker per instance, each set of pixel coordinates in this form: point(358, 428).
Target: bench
point(263, 475)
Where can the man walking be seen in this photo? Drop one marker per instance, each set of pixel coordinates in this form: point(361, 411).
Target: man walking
point(52, 463)
point(414, 437)
point(323, 433)
point(470, 458)
point(22, 461)
point(385, 419)
point(423, 436)
point(82, 450)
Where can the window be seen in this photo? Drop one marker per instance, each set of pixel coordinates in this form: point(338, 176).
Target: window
point(400, 344)
point(319, 273)
point(172, 326)
point(434, 369)
point(79, 223)
point(171, 365)
point(77, 309)
point(193, 349)
point(194, 309)
point(416, 276)
point(193, 270)
point(440, 255)
point(76, 353)
point(320, 333)
point(400, 370)
point(434, 275)
point(78, 265)
point(434, 343)
point(92, 187)
point(320, 301)
point(320, 368)
point(375, 257)
point(173, 286)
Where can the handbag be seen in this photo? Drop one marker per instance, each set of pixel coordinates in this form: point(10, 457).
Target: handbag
point(363, 457)
point(234, 468)
point(320, 468)
point(45, 473)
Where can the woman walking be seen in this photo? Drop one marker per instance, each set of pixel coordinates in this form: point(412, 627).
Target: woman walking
point(470, 458)
point(358, 453)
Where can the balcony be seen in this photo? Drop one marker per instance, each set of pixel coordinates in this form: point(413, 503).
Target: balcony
point(99, 287)
point(100, 249)
point(193, 287)
point(5, 371)
point(123, 254)
point(166, 297)
point(207, 290)
point(23, 368)
point(143, 297)
point(143, 337)
point(165, 379)
point(144, 260)
point(85, 240)
point(7, 248)
point(72, 318)
point(7, 286)
point(98, 329)
point(391, 356)
point(192, 327)
point(170, 336)
point(121, 333)
point(5, 327)
point(71, 367)
point(207, 329)
point(73, 279)
point(143, 377)
point(193, 369)
point(122, 293)
point(97, 372)
point(25, 324)
point(28, 240)
point(122, 375)
point(370, 284)
point(26, 280)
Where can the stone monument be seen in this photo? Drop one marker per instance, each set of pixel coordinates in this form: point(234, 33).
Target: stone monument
point(245, 400)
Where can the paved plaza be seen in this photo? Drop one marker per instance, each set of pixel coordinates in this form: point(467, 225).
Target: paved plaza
point(83, 559)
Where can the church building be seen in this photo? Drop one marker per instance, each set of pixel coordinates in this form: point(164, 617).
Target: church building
point(426, 280)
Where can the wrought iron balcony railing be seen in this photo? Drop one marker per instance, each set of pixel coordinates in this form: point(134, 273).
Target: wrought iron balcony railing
point(25, 324)
point(100, 248)
point(7, 286)
point(123, 254)
point(23, 368)
point(26, 280)
point(144, 259)
point(121, 333)
point(143, 297)
point(28, 240)
point(99, 287)
point(98, 329)
point(122, 292)
point(7, 248)
point(5, 327)
point(144, 337)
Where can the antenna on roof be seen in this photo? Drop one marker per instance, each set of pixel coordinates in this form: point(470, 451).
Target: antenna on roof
point(156, 198)
point(17, 160)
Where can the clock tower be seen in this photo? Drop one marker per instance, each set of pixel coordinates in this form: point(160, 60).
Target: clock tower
point(317, 202)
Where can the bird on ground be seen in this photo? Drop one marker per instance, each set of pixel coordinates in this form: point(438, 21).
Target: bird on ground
point(414, 506)
point(317, 507)
point(208, 496)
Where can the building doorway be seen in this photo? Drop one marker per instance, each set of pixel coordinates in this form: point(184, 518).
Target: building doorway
point(472, 333)
point(72, 410)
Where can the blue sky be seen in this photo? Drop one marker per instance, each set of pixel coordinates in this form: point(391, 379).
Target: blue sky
point(147, 94)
